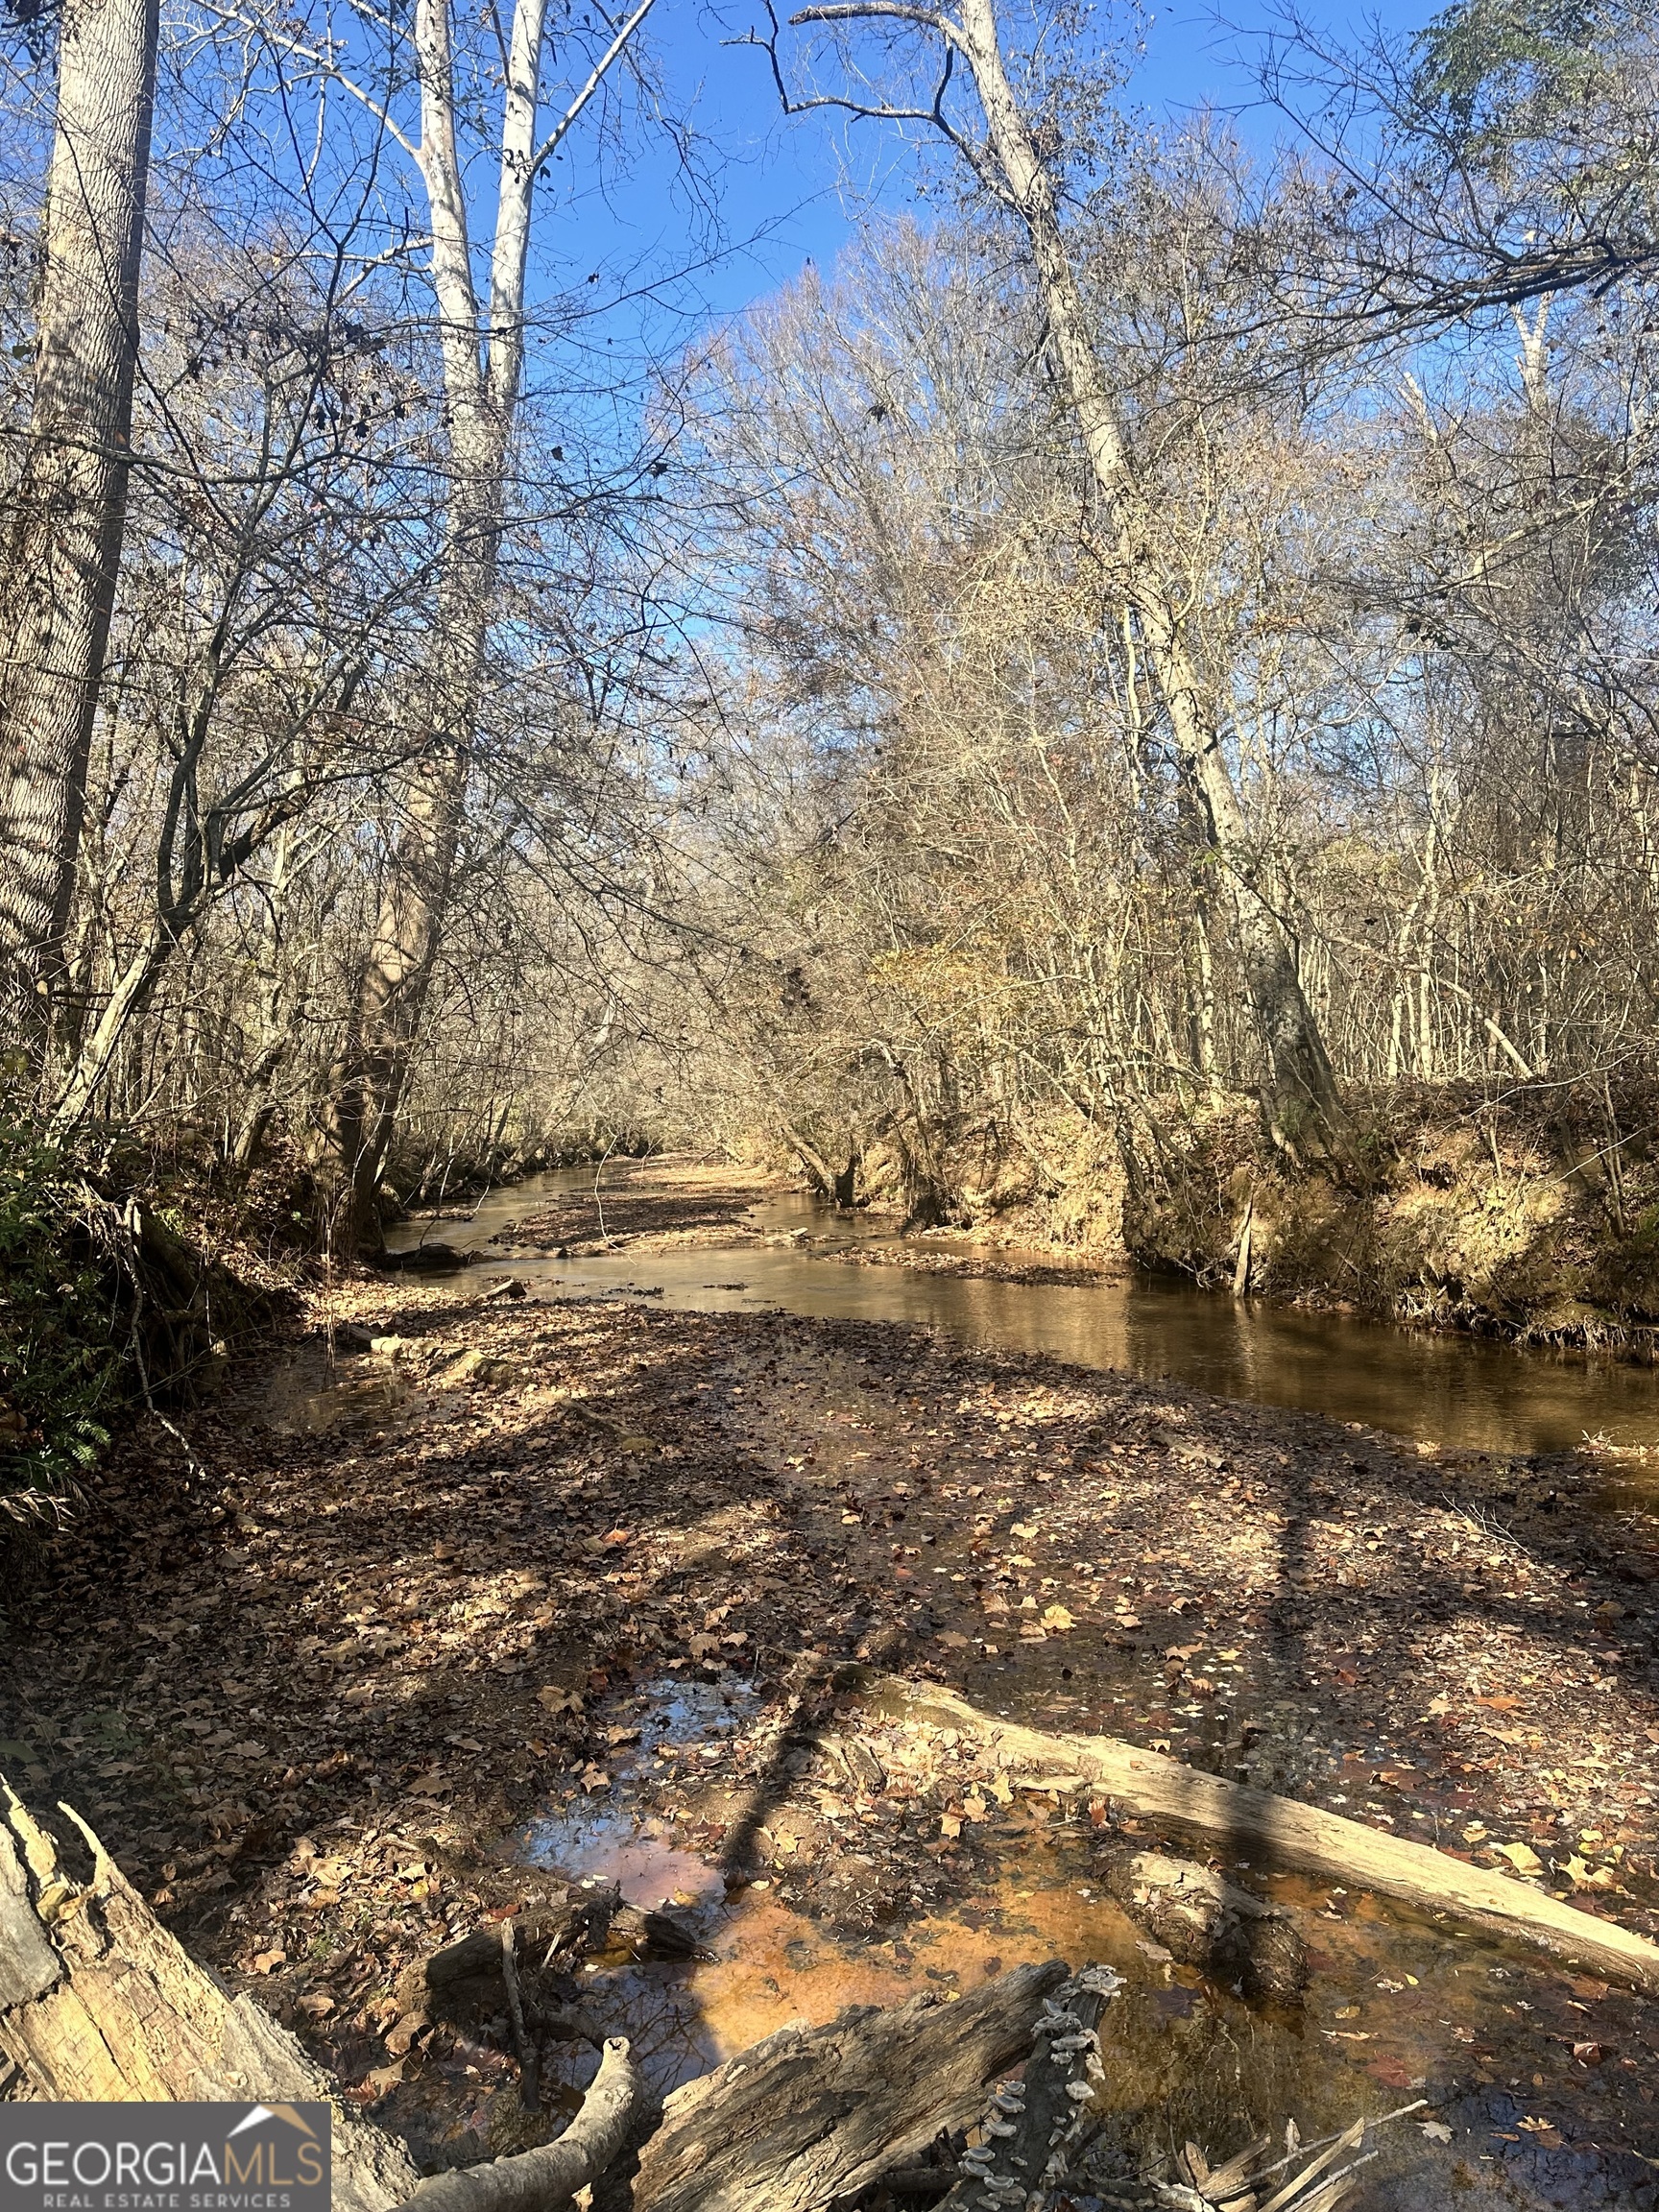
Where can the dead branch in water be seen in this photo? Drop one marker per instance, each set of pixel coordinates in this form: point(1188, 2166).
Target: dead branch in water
point(1239, 1820)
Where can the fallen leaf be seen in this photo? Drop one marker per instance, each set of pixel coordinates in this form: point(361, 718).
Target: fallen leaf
point(1522, 1857)
point(1057, 1617)
point(1436, 2131)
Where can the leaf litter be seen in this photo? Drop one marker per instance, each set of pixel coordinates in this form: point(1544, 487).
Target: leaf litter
point(307, 1695)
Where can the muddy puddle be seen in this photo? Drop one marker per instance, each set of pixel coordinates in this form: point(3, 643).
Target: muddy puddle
point(805, 1892)
point(310, 1393)
point(795, 1254)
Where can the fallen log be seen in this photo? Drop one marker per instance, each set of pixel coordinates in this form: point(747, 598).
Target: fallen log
point(434, 1259)
point(814, 2114)
point(468, 1976)
point(1240, 1822)
point(99, 2002)
point(1032, 2133)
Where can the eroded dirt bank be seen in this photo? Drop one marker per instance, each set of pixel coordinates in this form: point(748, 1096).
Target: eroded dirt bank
point(586, 1560)
point(1525, 1211)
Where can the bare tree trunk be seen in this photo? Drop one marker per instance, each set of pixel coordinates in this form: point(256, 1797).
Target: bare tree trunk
point(1299, 1096)
point(483, 355)
point(403, 951)
point(64, 555)
point(278, 1001)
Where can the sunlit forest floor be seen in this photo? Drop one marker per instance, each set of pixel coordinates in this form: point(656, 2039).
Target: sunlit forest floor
point(574, 1561)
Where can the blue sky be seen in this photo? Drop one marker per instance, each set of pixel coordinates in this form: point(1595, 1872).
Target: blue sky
point(799, 187)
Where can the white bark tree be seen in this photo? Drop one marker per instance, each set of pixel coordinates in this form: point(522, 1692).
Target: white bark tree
point(482, 344)
point(1299, 1095)
point(57, 588)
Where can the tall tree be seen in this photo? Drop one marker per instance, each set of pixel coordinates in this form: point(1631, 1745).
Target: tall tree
point(57, 588)
point(1299, 1095)
point(482, 340)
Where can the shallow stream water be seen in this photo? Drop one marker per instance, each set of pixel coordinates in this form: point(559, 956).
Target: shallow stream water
point(1404, 2008)
point(1469, 1394)
point(1400, 2006)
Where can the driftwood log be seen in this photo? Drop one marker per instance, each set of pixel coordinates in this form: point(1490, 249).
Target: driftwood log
point(99, 2002)
point(813, 2115)
point(1242, 1823)
point(470, 1976)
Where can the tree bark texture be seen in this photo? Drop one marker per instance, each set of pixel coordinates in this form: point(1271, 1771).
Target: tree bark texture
point(1033, 2127)
point(481, 375)
point(482, 347)
point(62, 562)
point(99, 2002)
point(815, 2114)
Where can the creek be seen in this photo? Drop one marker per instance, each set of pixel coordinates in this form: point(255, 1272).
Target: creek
point(1468, 1393)
point(1538, 2081)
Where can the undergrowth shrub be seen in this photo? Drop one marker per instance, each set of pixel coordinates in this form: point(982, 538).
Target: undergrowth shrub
point(65, 1362)
point(110, 1295)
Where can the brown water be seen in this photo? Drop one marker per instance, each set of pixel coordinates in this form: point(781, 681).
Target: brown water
point(1469, 1394)
point(1402, 2008)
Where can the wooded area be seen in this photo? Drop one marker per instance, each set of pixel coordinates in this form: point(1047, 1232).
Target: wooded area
point(1125, 712)
point(1173, 625)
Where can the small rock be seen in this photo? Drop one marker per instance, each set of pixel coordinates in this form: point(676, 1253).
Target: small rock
point(1208, 1923)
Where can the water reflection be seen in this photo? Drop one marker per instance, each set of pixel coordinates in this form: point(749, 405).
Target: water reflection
point(1460, 1391)
point(602, 1836)
point(1402, 2005)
